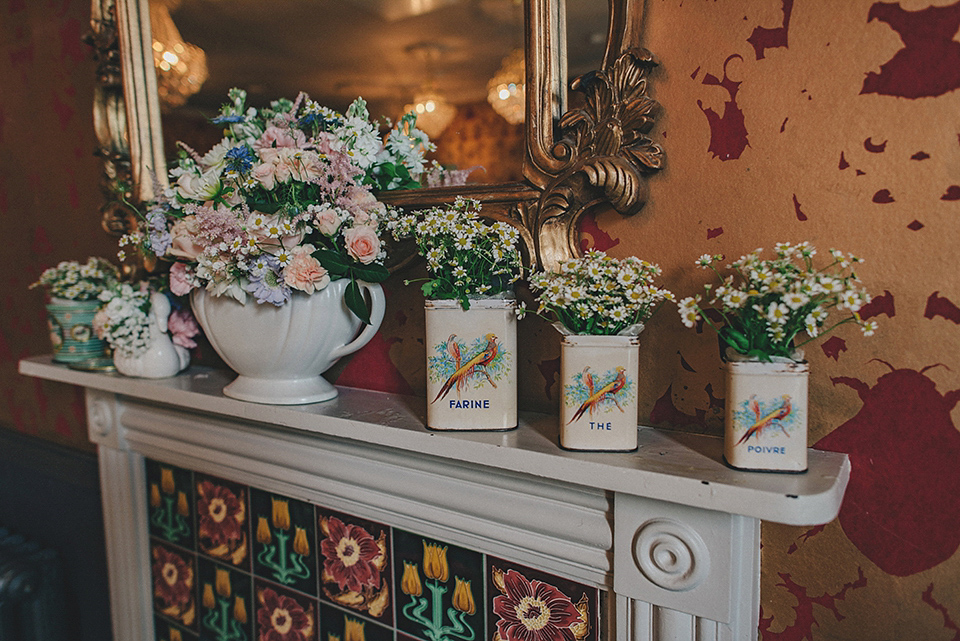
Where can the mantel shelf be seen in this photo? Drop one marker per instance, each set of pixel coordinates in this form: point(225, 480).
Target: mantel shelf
point(671, 466)
point(668, 532)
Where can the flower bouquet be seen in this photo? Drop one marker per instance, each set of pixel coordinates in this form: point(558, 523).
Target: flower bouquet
point(72, 290)
point(471, 323)
point(466, 257)
point(283, 203)
point(70, 280)
point(600, 305)
point(761, 308)
point(283, 209)
point(598, 295)
point(761, 311)
point(149, 339)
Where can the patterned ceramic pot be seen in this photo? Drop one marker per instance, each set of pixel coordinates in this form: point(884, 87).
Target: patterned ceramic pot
point(71, 330)
point(471, 365)
point(281, 352)
point(766, 420)
point(598, 405)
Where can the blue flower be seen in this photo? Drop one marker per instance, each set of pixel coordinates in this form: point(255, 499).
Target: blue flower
point(157, 219)
point(239, 159)
point(160, 241)
point(266, 283)
point(227, 119)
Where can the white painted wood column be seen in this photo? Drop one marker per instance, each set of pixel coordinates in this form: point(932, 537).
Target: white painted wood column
point(668, 532)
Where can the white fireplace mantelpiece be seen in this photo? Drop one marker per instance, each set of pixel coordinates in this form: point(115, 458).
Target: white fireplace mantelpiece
point(669, 532)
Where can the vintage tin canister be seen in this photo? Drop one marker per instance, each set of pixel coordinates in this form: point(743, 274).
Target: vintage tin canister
point(598, 403)
point(471, 364)
point(766, 419)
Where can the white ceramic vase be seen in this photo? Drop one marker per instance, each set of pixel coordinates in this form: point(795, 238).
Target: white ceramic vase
point(598, 402)
point(766, 416)
point(471, 364)
point(281, 352)
point(162, 358)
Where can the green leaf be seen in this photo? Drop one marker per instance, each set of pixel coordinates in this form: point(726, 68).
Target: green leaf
point(334, 262)
point(372, 273)
point(265, 207)
point(355, 303)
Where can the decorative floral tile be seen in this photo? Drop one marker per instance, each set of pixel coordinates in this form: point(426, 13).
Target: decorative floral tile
point(223, 523)
point(355, 563)
point(169, 492)
point(283, 615)
point(163, 630)
point(337, 625)
point(174, 584)
point(439, 587)
point(226, 600)
point(529, 605)
point(284, 534)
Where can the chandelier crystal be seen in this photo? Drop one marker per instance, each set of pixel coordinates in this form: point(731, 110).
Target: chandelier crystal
point(181, 67)
point(433, 111)
point(505, 91)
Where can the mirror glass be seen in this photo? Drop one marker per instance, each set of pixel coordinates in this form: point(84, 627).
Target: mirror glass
point(443, 58)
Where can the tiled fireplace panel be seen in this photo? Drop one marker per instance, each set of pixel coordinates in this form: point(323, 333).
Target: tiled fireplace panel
point(231, 562)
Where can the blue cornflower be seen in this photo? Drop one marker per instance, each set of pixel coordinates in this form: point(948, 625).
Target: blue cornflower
point(239, 159)
point(227, 119)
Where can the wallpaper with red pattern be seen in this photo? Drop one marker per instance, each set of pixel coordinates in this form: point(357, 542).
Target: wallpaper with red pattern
point(833, 122)
point(49, 196)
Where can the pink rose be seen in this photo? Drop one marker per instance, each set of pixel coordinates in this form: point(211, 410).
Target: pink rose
point(264, 174)
point(180, 281)
point(183, 327)
point(185, 243)
point(362, 243)
point(326, 219)
point(304, 272)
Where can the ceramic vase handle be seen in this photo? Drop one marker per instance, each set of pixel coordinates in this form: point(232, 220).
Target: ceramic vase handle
point(378, 307)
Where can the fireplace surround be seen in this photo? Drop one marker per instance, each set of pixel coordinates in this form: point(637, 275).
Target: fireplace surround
point(667, 535)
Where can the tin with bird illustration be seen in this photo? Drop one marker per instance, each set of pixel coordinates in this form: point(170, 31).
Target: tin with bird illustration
point(598, 406)
point(471, 364)
point(766, 416)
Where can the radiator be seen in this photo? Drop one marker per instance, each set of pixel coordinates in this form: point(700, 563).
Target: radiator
point(31, 591)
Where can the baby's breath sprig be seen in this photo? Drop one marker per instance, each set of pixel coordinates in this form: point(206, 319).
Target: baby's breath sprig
point(764, 305)
point(600, 295)
point(466, 256)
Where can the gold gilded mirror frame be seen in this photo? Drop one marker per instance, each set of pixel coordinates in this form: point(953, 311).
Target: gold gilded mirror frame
point(597, 155)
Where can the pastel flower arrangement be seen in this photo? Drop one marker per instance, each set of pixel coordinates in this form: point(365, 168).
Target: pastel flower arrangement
point(597, 294)
point(465, 256)
point(69, 280)
point(283, 203)
point(124, 321)
point(761, 308)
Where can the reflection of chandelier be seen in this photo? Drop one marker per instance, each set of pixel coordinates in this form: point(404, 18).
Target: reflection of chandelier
point(181, 66)
point(505, 89)
point(433, 111)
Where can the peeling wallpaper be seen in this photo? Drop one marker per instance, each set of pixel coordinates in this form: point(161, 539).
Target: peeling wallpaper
point(833, 122)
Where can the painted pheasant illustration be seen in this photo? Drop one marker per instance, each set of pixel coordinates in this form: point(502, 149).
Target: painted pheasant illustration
point(765, 421)
point(475, 364)
point(607, 392)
